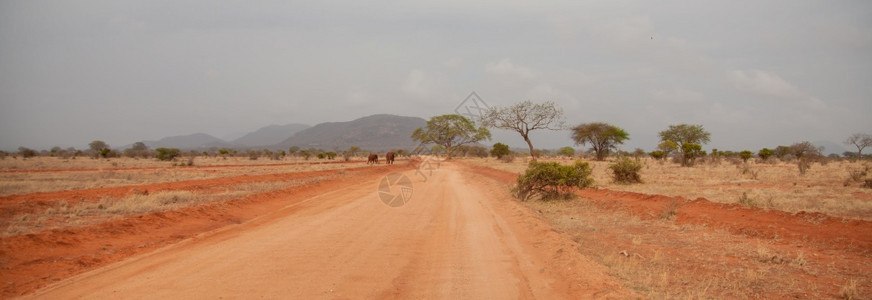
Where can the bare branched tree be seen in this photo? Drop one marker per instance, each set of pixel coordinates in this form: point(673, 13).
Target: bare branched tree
point(860, 141)
point(525, 117)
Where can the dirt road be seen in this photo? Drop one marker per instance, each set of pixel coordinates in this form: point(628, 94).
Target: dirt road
point(458, 237)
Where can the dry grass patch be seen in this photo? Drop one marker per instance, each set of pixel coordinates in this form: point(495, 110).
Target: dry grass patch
point(65, 214)
point(662, 260)
point(82, 163)
point(771, 186)
point(20, 183)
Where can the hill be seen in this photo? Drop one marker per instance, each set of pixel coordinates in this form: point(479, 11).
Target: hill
point(377, 132)
point(269, 135)
point(191, 141)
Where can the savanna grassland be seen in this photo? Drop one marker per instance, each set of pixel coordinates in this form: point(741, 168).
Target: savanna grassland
point(723, 229)
point(60, 217)
point(718, 230)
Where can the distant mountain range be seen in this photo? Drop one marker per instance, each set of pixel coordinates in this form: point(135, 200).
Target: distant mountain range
point(377, 132)
point(270, 135)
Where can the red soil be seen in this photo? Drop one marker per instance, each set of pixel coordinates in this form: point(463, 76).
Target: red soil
point(16, 204)
point(804, 227)
point(835, 251)
point(31, 261)
point(198, 168)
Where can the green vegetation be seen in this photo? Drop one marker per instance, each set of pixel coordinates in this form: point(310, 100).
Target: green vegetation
point(500, 150)
point(167, 154)
point(602, 137)
point(626, 170)
point(552, 180)
point(566, 151)
point(689, 140)
point(746, 155)
point(765, 153)
point(450, 131)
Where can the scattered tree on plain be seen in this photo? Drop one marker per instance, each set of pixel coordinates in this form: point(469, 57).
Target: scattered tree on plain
point(26, 152)
point(746, 155)
point(765, 153)
point(690, 152)
point(499, 150)
point(602, 137)
point(688, 138)
point(450, 131)
point(566, 151)
point(293, 150)
point(860, 141)
point(138, 149)
point(525, 117)
point(167, 154)
point(99, 148)
point(657, 154)
point(667, 147)
point(805, 153)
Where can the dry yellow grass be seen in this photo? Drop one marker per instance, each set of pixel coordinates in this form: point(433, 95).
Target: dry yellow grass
point(66, 214)
point(18, 183)
point(54, 163)
point(777, 186)
point(662, 260)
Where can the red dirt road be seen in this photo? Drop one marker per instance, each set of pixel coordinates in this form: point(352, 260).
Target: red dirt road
point(458, 237)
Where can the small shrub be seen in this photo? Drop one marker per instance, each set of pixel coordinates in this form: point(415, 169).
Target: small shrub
point(765, 153)
point(657, 154)
point(858, 174)
point(745, 155)
point(747, 201)
point(669, 210)
point(552, 180)
point(167, 154)
point(849, 290)
point(626, 170)
point(508, 158)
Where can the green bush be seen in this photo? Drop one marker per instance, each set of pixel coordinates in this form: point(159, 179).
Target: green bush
point(500, 150)
point(626, 170)
point(167, 154)
point(657, 154)
point(765, 153)
point(552, 180)
point(746, 155)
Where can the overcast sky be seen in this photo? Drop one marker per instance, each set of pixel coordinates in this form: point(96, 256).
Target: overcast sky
point(753, 73)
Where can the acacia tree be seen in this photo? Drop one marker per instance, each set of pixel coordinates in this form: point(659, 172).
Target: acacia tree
point(685, 134)
point(805, 153)
point(99, 148)
point(667, 147)
point(499, 150)
point(525, 117)
point(860, 141)
point(602, 137)
point(566, 151)
point(450, 131)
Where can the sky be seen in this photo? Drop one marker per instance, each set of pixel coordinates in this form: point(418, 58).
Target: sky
point(753, 73)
